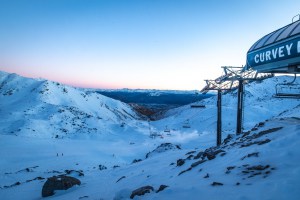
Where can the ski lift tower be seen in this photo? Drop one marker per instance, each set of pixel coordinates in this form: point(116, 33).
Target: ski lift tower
point(233, 78)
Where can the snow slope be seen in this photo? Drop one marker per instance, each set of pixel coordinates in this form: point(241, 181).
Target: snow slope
point(41, 108)
point(259, 105)
point(262, 163)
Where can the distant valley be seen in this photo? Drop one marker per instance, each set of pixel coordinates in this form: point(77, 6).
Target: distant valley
point(153, 103)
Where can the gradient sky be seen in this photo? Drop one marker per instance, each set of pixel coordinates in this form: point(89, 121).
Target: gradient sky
point(157, 44)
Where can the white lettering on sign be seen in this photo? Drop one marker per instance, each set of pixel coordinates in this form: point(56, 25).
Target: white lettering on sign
point(288, 48)
point(274, 53)
point(256, 58)
point(268, 55)
point(278, 52)
point(281, 52)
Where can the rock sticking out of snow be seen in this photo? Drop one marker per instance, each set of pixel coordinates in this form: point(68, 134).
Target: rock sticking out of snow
point(163, 148)
point(58, 183)
point(141, 191)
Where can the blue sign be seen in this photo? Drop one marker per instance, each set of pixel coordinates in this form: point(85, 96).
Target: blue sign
point(281, 51)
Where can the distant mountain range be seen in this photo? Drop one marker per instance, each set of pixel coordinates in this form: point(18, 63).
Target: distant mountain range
point(167, 97)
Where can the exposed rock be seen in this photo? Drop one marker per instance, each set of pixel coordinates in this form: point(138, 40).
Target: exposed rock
point(206, 176)
point(102, 167)
point(191, 152)
point(28, 169)
point(254, 129)
point(230, 167)
point(197, 163)
point(261, 142)
point(271, 130)
point(61, 182)
point(83, 197)
point(161, 188)
point(39, 178)
point(17, 183)
point(218, 151)
point(70, 171)
point(121, 178)
point(54, 171)
point(136, 160)
point(258, 167)
point(222, 154)
point(246, 134)
point(261, 124)
point(255, 154)
point(180, 162)
point(228, 138)
point(163, 148)
point(141, 191)
point(209, 155)
point(217, 184)
point(264, 142)
point(199, 155)
point(184, 171)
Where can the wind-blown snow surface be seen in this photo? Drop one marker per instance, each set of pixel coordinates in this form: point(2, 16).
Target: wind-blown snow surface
point(260, 164)
point(42, 108)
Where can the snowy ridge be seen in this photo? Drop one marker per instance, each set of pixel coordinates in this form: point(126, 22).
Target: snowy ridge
point(45, 108)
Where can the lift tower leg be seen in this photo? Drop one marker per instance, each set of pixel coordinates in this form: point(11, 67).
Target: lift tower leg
point(239, 122)
point(219, 121)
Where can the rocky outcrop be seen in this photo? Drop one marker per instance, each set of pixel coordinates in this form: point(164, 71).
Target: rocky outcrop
point(60, 182)
point(161, 188)
point(180, 162)
point(217, 184)
point(141, 191)
point(163, 148)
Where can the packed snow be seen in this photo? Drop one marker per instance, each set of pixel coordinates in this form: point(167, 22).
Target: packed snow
point(48, 129)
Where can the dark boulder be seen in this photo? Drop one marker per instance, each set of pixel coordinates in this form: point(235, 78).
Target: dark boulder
point(141, 191)
point(197, 163)
point(180, 162)
point(161, 188)
point(60, 182)
point(209, 155)
point(217, 184)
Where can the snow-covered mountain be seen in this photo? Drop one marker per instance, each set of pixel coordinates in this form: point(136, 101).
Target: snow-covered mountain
point(42, 108)
point(174, 163)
